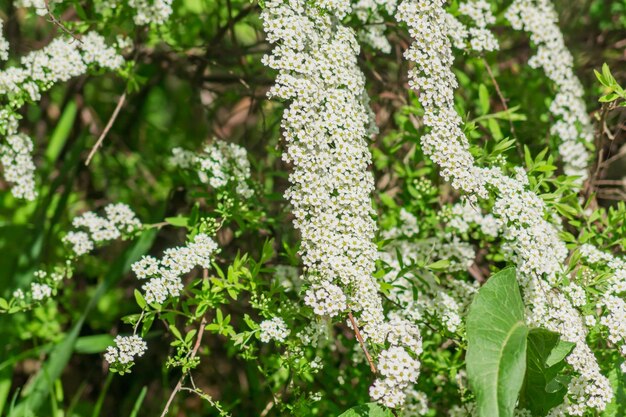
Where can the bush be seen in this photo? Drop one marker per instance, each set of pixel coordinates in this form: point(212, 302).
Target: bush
point(312, 208)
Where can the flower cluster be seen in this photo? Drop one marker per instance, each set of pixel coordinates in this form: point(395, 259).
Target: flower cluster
point(18, 165)
point(219, 165)
point(122, 355)
point(92, 229)
point(482, 39)
point(274, 329)
point(398, 370)
point(165, 274)
point(4, 44)
point(611, 302)
point(573, 125)
point(61, 60)
point(532, 242)
point(38, 5)
point(89, 230)
point(145, 12)
point(464, 215)
point(373, 30)
point(325, 128)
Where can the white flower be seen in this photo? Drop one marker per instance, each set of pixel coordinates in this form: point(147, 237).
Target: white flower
point(40, 291)
point(123, 217)
point(573, 126)
point(18, 165)
point(274, 329)
point(96, 51)
point(531, 241)
point(100, 229)
point(80, 241)
point(4, 45)
point(125, 350)
point(166, 273)
point(220, 164)
point(325, 129)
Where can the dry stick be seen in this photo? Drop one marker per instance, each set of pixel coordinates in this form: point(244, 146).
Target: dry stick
point(179, 385)
point(357, 333)
point(58, 23)
point(192, 355)
point(93, 151)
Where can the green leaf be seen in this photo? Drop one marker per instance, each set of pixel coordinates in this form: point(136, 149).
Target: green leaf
point(440, 265)
point(496, 353)
point(179, 221)
point(61, 132)
point(483, 98)
point(617, 407)
point(543, 387)
point(141, 302)
point(387, 200)
point(367, 410)
point(93, 344)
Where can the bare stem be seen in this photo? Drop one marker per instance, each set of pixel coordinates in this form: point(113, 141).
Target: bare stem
point(357, 333)
point(192, 355)
point(58, 23)
point(108, 126)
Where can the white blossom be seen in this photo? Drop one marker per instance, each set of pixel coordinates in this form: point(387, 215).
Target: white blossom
point(125, 350)
point(573, 125)
point(220, 164)
point(165, 274)
point(39, 291)
point(531, 241)
point(274, 329)
point(18, 165)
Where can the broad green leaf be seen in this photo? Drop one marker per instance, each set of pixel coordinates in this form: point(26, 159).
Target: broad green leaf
point(496, 353)
point(543, 387)
point(617, 407)
point(367, 410)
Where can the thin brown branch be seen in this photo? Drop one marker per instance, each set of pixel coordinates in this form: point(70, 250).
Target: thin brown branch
point(56, 22)
point(108, 126)
point(357, 333)
point(192, 355)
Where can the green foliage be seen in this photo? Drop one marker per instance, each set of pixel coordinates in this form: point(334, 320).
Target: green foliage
point(615, 93)
point(496, 345)
point(197, 77)
point(544, 386)
point(367, 410)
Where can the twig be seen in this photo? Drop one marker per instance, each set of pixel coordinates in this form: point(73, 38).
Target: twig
point(267, 408)
point(357, 333)
point(93, 151)
point(58, 23)
point(179, 385)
